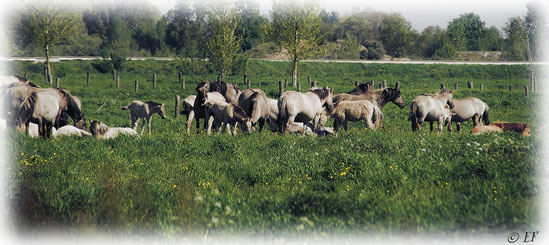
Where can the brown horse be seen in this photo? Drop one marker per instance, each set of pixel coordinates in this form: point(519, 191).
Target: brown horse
point(229, 91)
point(378, 97)
point(361, 89)
point(521, 128)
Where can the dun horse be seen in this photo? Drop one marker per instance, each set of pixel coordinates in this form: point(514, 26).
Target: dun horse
point(355, 111)
point(188, 110)
point(303, 107)
point(378, 97)
point(102, 131)
point(201, 111)
point(228, 115)
point(470, 108)
point(145, 111)
point(432, 107)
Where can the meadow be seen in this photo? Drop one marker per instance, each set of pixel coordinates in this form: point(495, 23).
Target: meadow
point(388, 180)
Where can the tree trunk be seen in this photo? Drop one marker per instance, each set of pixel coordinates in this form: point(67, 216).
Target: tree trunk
point(294, 74)
point(47, 66)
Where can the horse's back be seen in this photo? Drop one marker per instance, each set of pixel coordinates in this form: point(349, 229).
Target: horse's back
point(468, 107)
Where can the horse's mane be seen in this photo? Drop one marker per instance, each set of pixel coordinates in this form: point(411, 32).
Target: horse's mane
point(445, 90)
point(221, 87)
point(71, 103)
point(321, 92)
point(392, 92)
point(239, 112)
point(152, 103)
point(21, 79)
point(252, 106)
point(98, 128)
point(27, 108)
point(200, 85)
point(361, 88)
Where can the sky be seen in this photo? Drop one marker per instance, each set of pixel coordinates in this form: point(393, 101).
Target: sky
point(421, 13)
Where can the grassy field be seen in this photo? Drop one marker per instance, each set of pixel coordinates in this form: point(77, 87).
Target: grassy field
point(389, 180)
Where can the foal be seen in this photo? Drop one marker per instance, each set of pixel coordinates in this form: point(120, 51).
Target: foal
point(144, 110)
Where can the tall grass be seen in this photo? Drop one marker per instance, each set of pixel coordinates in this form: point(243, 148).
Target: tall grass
point(389, 180)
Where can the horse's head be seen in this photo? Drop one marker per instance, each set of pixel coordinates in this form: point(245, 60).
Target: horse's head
point(447, 94)
point(394, 96)
point(81, 124)
point(97, 127)
point(326, 97)
point(242, 118)
point(218, 87)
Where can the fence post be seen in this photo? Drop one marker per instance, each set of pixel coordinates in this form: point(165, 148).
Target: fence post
point(481, 87)
point(259, 84)
point(373, 84)
point(510, 87)
point(313, 84)
point(280, 88)
point(456, 88)
point(183, 83)
point(526, 90)
point(248, 83)
point(384, 83)
point(299, 87)
point(442, 86)
point(114, 74)
point(246, 79)
point(397, 86)
point(25, 76)
point(57, 82)
point(532, 81)
point(136, 87)
point(154, 80)
point(177, 98)
point(356, 84)
point(117, 81)
point(470, 84)
point(88, 79)
point(309, 79)
point(286, 83)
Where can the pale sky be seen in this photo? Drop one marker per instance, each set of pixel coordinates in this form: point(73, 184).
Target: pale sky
point(421, 13)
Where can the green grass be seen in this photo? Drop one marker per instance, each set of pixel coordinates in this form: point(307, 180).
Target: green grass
point(389, 180)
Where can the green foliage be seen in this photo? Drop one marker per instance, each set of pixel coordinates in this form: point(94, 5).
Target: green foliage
point(375, 50)
point(395, 34)
point(516, 38)
point(466, 31)
point(222, 44)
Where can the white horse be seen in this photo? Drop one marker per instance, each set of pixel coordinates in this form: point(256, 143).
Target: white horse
point(432, 107)
point(470, 108)
point(228, 115)
point(188, 110)
point(67, 130)
point(102, 131)
point(145, 111)
point(303, 107)
point(40, 108)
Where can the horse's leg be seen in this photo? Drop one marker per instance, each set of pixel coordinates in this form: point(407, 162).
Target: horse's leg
point(144, 124)
point(420, 122)
point(190, 118)
point(440, 122)
point(207, 120)
point(209, 123)
point(135, 121)
point(431, 124)
point(458, 127)
point(198, 124)
point(150, 120)
point(261, 123)
point(369, 123)
point(345, 123)
point(288, 123)
point(476, 120)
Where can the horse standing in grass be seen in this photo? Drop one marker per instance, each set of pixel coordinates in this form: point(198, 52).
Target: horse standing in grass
point(470, 108)
point(253, 101)
point(303, 107)
point(379, 97)
point(356, 111)
point(201, 111)
point(41, 109)
point(361, 89)
point(188, 110)
point(432, 107)
point(228, 115)
point(145, 111)
point(102, 131)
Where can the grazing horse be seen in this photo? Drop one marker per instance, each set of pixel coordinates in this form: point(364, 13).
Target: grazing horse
point(188, 110)
point(432, 107)
point(378, 97)
point(41, 109)
point(12, 81)
point(303, 107)
point(355, 111)
point(145, 111)
point(255, 104)
point(228, 115)
point(201, 111)
point(467, 108)
point(102, 131)
point(361, 89)
point(253, 101)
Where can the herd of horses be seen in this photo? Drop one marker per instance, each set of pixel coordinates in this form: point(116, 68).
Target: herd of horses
point(224, 106)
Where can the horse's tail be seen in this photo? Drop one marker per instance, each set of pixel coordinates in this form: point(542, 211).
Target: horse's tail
point(485, 116)
point(413, 115)
point(282, 113)
point(377, 116)
point(126, 107)
point(27, 108)
point(254, 98)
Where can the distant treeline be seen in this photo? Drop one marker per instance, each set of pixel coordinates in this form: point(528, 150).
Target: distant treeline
point(140, 30)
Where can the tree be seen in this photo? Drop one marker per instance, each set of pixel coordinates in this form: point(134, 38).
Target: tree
point(395, 34)
point(533, 25)
point(295, 27)
point(465, 32)
point(45, 24)
point(516, 38)
point(491, 41)
point(250, 21)
point(222, 44)
point(186, 28)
